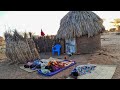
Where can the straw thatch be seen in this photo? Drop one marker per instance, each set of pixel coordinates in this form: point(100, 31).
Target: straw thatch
point(20, 49)
point(79, 23)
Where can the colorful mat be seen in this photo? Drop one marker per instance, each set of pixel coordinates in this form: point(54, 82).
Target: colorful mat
point(53, 73)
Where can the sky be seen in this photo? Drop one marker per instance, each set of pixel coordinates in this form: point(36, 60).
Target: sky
point(48, 21)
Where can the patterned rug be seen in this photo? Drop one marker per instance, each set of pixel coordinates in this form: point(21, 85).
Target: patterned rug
point(100, 72)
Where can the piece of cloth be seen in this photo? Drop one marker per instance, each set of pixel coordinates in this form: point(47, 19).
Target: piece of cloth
point(37, 62)
point(42, 33)
point(60, 64)
point(29, 63)
point(55, 68)
point(32, 66)
point(100, 72)
point(82, 69)
point(38, 67)
point(49, 68)
point(55, 65)
point(45, 71)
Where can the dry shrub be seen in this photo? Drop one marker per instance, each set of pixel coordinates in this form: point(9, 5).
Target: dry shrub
point(20, 49)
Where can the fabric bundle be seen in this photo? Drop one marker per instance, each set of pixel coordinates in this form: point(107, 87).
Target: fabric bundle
point(34, 65)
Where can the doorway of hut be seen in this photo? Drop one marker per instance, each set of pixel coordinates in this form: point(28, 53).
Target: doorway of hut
point(70, 46)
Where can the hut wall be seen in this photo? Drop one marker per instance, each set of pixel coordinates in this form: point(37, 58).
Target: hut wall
point(62, 43)
point(88, 45)
point(1, 41)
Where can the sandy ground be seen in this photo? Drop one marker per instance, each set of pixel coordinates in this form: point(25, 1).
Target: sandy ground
point(108, 55)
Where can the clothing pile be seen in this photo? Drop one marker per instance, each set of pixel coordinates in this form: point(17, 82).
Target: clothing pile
point(48, 65)
point(34, 65)
point(82, 70)
point(55, 65)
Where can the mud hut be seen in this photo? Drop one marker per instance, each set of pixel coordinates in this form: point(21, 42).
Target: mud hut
point(81, 31)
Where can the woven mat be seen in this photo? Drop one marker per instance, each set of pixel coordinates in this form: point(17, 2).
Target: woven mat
point(100, 72)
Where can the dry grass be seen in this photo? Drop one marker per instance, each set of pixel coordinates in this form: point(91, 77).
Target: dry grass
point(20, 49)
point(79, 23)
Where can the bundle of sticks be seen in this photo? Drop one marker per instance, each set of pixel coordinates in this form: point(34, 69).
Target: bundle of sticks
point(20, 49)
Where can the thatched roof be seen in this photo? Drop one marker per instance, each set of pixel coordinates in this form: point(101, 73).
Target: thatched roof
point(79, 23)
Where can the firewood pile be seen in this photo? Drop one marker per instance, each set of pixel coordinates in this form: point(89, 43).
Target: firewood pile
point(20, 49)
